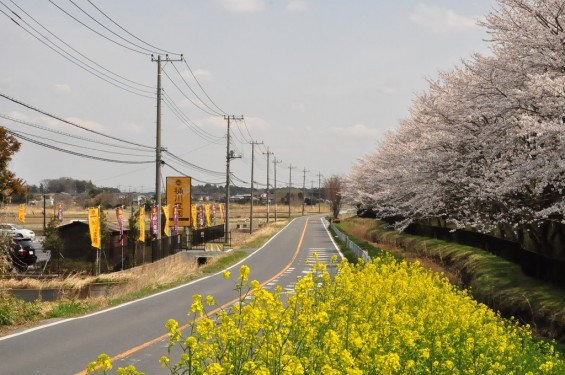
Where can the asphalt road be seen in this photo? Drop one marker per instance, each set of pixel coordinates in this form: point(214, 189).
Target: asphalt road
point(134, 333)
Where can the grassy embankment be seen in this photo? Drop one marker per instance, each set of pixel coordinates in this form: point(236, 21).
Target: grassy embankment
point(492, 280)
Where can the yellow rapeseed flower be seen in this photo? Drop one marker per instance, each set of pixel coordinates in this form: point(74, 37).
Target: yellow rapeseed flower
point(244, 272)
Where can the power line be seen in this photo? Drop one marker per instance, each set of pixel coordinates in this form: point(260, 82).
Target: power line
point(202, 88)
point(190, 100)
point(115, 23)
point(71, 47)
point(247, 128)
point(186, 120)
point(195, 94)
point(194, 166)
point(106, 28)
point(78, 63)
point(27, 123)
point(96, 32)
point(71, 123)
point(192, 178)
point(74, 145)
point(18, 135)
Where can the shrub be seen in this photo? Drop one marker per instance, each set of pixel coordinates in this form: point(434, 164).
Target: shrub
point(387, 317)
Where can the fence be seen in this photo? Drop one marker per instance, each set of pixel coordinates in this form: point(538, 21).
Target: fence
point(359, 253)
point(114, 258)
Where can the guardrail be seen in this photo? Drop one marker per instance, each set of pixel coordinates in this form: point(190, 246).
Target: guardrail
point(360, 253)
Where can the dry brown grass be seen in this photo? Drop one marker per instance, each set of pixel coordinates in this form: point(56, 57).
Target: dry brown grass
point(148, 275)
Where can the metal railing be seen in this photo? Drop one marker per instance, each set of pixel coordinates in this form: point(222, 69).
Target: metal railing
point(359, 252)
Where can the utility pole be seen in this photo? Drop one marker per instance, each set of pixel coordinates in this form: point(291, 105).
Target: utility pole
point(304, 190)
point(290, 168)
point(268, 203)
point(229, 156)
point(158, 148)
point(275, 162)
point(253, 143)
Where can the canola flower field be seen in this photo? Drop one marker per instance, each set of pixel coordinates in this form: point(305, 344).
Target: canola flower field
point(384, 317)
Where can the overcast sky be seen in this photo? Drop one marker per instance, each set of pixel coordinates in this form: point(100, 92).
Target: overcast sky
point(318, 82)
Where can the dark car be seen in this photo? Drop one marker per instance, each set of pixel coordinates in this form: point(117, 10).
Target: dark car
point(23, 253)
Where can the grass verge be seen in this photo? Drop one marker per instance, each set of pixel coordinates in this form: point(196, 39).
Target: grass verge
point(137, 283)
point(492, 280)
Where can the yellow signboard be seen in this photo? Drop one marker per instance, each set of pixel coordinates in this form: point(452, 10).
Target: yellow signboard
point(178, 194)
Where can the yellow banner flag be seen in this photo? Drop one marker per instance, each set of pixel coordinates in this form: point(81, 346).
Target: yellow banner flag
point(194, 222)
point(94, 226)
point(222, 209)
point(166, 226)
point(22, 213)
point(207, 215)
point(142, 224)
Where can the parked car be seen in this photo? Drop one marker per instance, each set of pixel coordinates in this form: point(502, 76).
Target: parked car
point(23, 253)
point(13, 230)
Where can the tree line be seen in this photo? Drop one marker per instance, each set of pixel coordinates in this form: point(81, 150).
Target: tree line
point(483, 147)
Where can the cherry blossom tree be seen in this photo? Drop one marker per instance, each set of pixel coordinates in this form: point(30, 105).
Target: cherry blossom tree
point(483, 146)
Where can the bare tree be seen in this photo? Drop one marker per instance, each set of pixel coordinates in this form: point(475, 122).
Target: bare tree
point(332, 186)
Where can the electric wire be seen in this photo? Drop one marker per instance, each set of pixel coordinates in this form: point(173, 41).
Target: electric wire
point(239, 179)
point(71, 47)
point(70, 59)
point(202, 146)
point(179, 113)
point(97, 32)
point(246, 127)
point(74, 145)
point(115, 23)
point(18, 135)
point(182, 118)
point(234, 137)
point(37, 126)
point(124, 173)
point(195, 94)
point(194, 166)
point(202, 88)
point(191, 178)
point(69, 122)
point(106, 28)
point(186, 96)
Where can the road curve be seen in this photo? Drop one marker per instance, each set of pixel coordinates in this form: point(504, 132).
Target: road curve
point(134, 333)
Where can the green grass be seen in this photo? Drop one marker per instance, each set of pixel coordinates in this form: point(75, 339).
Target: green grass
point(70, 308)
point(224, 262)
point(492, 280)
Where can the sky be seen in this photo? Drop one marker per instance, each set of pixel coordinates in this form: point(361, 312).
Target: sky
point(317, 82)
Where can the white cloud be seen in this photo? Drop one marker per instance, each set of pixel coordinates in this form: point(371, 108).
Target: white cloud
point(212, 124)
point(297, 5)
point(218, 125)
point(19, 116)
point(440, 20)
point(56, 124)
point(357, 130)
point(242, 6)
point(88, 124)
point(254, 124)
point(131, 127)
point(200, 74)
point(62, 88)
point(297, 107)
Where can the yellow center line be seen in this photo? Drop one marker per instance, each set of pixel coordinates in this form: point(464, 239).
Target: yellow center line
point(212, 312)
